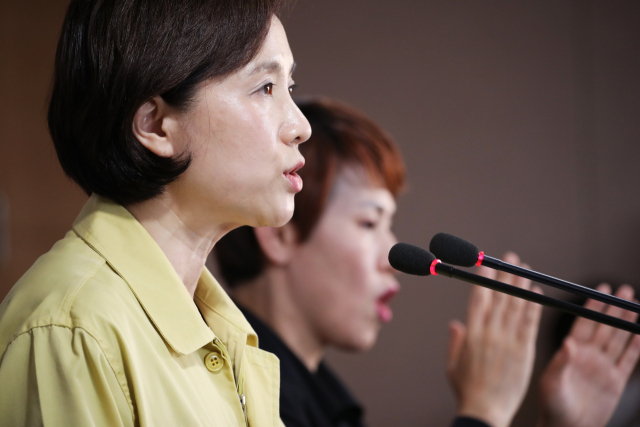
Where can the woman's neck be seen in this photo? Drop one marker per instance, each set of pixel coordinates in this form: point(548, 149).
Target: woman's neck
point(268, 298)
point(185, 247)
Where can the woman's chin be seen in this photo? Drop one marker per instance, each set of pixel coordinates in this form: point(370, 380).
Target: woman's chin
point(359, 344)
point(283, 213)
point(277, 217)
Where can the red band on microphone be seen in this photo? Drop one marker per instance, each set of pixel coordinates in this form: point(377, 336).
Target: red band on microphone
point(480, 258)
point(433, 266)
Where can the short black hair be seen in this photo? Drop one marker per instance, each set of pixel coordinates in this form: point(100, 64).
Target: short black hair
point(115, 55)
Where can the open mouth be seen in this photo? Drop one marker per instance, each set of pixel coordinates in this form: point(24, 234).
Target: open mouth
point(384, 311)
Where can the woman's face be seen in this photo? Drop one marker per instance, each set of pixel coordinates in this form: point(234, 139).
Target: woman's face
point(341, 275)
point(243, 132)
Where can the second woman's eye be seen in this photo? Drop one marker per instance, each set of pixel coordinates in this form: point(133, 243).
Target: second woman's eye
point(367, 224)
point(292, 88)
point(268, 89)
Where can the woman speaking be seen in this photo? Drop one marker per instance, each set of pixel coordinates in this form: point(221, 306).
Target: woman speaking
point(176, 118)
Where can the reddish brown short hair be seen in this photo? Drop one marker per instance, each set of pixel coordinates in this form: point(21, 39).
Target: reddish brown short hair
point(342, 136)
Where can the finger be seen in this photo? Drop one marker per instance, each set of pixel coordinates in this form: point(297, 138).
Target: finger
point(563, 357)
point(583, 329)
point(507, 278)
point(619, 338)
point(604, 333)
point(528, 328)
point(521, 282)
point(479, 305)
point(516, 306)
point(458, 334)
point(629, 358)
point(487, 272)
point(566, 353)
point(495, 320)
point(499, 299)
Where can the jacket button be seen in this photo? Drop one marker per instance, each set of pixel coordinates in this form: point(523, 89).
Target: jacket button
point(214, 361)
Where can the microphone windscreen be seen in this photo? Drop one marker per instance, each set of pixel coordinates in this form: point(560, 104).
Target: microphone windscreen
point(454, 250)
point(411, 259)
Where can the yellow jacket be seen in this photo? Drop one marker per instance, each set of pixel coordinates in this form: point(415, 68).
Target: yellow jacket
point(102, 332)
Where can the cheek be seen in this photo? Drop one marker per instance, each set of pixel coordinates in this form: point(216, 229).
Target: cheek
point(355, 272)
point(346, 260)
point(342, 292)
point(235, 148)
point(244, 141)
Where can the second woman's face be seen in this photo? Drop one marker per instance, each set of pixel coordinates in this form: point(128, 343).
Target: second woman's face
point(243, 133)
point(341, 275)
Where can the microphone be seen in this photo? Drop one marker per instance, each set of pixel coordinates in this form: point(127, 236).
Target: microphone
point(411, 259)
point(457, 251)
point(414, 260)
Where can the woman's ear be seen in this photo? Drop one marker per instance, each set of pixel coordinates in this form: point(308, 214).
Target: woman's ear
point(278, 244)
point(149, 127)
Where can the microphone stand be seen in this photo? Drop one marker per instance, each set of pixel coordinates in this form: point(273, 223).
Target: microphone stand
point(576, 310)
point(497, 264)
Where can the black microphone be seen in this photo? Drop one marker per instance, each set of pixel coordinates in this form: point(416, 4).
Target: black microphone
point(414, 260)
point(457, 251)
point(411, 259)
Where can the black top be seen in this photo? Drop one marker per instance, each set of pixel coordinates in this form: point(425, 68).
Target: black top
point(317, 399)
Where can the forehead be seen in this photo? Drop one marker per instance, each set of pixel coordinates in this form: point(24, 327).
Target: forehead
point(353, 189)
point(274, 54)
point(273, 58)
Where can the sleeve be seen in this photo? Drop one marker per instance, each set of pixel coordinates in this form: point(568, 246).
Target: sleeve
point(57, 376)
point(468, 422)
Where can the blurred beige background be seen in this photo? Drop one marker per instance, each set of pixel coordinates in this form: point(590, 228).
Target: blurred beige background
point(519, 121)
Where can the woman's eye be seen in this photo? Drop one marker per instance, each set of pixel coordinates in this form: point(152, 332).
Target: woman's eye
point(292, 88)
point(367, 224)
point(268, 89)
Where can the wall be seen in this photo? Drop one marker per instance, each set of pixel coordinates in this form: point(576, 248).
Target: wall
point(518, 120)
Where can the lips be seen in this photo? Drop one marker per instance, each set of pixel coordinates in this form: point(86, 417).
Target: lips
point(384, 311)
point(292, 176)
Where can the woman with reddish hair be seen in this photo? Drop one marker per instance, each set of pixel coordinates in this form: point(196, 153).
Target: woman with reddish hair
point(324, 280)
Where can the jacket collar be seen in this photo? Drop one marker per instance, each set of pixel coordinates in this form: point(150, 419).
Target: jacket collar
point(217, 307)
point(133, 254)
point(225, 319)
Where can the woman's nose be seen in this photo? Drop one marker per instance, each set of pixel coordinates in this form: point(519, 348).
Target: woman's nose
point(297, 128)
point(384, 256)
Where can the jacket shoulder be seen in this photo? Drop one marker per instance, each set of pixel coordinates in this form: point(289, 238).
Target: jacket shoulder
point(57, 290)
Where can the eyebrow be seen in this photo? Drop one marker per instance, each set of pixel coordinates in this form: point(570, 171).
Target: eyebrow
point(272, 66)
point(371, 204)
